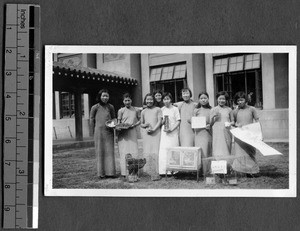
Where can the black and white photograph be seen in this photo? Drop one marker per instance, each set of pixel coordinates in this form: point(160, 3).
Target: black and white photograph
point(170, 121)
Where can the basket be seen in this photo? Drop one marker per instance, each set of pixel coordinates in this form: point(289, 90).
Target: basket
point(111, 123)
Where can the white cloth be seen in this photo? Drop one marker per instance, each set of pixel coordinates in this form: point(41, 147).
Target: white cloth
point(168, 139)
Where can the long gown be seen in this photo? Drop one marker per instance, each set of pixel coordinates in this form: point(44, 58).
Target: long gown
point(168, 139)
point(103, 138)
point(245, 154)
point(186, 134)
point(127, 139)
point(151, 141)
point(203, 139)
point(221, 141)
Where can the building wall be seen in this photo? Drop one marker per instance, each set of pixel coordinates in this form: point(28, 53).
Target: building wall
point(281, 80)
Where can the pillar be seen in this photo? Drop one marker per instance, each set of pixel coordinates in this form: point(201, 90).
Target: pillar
point(78, 116)
point(57, 105)
point(210, 88)
point(268, 81)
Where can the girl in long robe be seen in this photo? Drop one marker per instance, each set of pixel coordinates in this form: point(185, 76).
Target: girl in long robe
point(169, 132)
point(203, 138)
point(151, 122)
point(128, 139)
point(103, 135)
point(221, 120)
point(244, 114)
point(186, 109)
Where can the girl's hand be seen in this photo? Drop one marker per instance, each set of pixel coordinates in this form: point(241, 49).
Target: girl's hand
point(145, 125)
point(149, 130)
point(238, 125)
point(168, 130)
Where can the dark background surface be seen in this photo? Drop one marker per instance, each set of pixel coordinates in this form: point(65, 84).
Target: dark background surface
point(98, 22)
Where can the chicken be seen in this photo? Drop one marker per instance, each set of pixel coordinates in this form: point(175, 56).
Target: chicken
point(133, 164)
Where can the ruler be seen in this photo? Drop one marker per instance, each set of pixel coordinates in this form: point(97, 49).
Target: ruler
point(21, 116)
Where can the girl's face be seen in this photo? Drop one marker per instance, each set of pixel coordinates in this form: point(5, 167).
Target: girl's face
point(221, 100)
point(241, 102)
point(186, 95)
point(158, 97)
point(203, 100)
point(149, 101)
point(104, 97)
point(127, 102)
point(167, 101)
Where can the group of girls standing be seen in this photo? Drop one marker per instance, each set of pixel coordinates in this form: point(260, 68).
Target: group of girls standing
point(214, 140)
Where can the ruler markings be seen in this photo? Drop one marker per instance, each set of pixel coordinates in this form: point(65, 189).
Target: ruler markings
point(21, 64)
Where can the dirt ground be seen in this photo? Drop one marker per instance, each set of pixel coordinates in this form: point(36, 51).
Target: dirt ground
point(77, 169)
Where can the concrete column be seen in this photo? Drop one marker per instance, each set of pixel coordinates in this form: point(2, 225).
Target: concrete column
point(57, 105)
point(145, 74)
point(189, 74)
point(196, 74)
point(210, 87)
point(78, 116)
point(84, 60)
point(268, 81)
point(86, 106)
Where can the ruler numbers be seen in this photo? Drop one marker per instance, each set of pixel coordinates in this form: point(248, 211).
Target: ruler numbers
point(19, 115)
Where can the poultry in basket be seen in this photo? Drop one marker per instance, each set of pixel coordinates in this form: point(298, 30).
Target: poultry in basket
point(134, 164)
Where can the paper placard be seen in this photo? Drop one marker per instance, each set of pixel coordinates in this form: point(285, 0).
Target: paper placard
point(252, 135)
point(219, 167)
point(199, 122)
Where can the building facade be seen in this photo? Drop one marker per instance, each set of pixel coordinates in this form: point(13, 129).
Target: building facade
point(263, 76)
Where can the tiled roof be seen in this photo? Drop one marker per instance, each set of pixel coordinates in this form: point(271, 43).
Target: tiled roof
point(92, 74)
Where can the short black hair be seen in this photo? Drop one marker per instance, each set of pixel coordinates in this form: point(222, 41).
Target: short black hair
point(149, 94)
point(187, 89)
point(98, 98)
point(126, 95)
point(199, 104)
point(238, 95)
point(157, 91)
point(222, 93)
point(167, 94)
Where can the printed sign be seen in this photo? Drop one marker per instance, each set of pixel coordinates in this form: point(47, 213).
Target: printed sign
point(199, 122)
point(219, 167)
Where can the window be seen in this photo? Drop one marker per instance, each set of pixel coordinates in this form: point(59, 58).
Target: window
point(170, 78)
point(67, 104)
point(244, 74)
point(252, 61)
point(236, 63)
point(155, 74)
point(220, 65)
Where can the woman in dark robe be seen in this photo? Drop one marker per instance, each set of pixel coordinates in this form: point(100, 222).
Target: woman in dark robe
point(103, 135)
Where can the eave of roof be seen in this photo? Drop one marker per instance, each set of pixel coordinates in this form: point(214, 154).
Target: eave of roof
point(62, 70)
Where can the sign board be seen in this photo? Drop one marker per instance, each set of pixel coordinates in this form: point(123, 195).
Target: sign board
point(199, 122)
point(219, 167)
point(185, 158)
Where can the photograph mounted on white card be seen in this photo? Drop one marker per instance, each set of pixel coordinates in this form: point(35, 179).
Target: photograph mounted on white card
point(94, 91)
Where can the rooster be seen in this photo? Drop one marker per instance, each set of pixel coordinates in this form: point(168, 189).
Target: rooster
point(133, 165)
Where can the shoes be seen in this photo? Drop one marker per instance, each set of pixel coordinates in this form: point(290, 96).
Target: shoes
point(254, 175)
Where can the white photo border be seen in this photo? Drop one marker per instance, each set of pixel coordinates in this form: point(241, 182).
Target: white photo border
point(48, 155)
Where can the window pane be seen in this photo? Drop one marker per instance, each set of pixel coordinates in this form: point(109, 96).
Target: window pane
point(236, 63)
point(167, 73)
point(220, 65)
point(252, 61)
point(180, 71)
point(155, 74)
